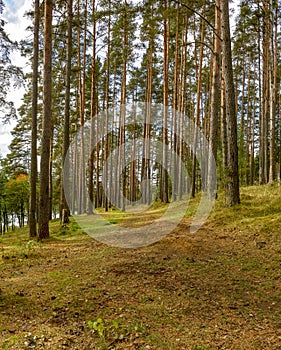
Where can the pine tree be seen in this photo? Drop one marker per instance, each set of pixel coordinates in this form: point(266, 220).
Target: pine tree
point(233, 175)
point(44, 199)
point(214, 105)
point(65, 186)
point(33, 166)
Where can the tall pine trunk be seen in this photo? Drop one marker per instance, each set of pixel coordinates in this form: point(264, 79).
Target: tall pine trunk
point(33, 169)
point(164, 184)
point(273, 91)
point(122, 123)
point(106, 182)
point(265, 93)
point(215, 106)
point(65, 187)
point(93, 116)
point(175, 114)
point(233, 174)
point(44, 208)
point(198, 110)
point(145, 171)
point(81, 82)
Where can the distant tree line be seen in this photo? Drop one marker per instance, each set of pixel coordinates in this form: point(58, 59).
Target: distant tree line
point(14, 202)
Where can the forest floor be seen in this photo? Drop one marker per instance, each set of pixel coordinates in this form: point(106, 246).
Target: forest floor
point(219, 288)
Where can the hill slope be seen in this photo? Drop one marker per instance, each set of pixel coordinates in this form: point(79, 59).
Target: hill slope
point(217, 289)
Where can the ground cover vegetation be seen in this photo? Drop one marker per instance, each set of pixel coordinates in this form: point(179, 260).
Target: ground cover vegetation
point(216, 289)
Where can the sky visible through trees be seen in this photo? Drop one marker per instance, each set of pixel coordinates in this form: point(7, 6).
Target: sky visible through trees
point(16, 24)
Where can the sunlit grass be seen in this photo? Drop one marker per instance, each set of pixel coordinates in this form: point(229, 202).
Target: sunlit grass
point(260, 210)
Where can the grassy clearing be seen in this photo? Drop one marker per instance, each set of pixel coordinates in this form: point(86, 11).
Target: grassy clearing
point(216, 289)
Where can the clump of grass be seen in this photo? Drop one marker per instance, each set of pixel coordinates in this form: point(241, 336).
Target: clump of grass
point(110, 332)
point(258, 212)
point(13, 340)
point(30, 248)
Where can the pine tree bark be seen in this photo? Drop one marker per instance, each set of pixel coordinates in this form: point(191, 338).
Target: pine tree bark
point(51, 172)
point(44, 209)
point(182, 108)
point(33, 168)
point(266, 25)
point(81, 82)
point(224, 139)
point(65, 186)
point(121, 163)
point(145, 171)
point(273, 91)
point(175, 114)
point(198, 110)
point(107, 184)
point(164, 185)
point(214, 107)
point(248, 129)
point(233, 175)
point(93, 115)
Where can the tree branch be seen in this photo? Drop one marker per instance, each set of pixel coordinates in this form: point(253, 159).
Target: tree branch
point(199, 14)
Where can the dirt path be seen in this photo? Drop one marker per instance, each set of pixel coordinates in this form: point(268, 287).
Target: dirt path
point(211, 290)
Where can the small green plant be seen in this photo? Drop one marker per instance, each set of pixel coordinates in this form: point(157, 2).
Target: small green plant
point(99, 327)
point(201, 347)
point(29, 247)
point(107, 331)
point(145, 299)
point(64, 230)
point(11, 341)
